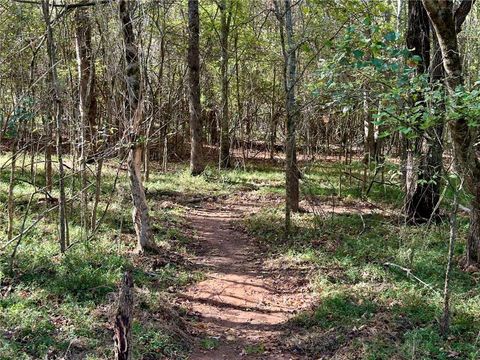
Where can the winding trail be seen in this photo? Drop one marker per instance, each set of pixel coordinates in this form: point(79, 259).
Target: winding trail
point(242, 304)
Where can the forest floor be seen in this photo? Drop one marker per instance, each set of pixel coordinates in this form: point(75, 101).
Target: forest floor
point(242, 307)
point(231, 284)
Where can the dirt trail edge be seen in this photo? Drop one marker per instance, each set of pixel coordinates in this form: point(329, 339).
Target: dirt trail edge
point(242, 307)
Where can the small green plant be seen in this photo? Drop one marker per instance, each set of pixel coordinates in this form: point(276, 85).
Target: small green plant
point(210, 343)
point(256, 349)
point(358, 294)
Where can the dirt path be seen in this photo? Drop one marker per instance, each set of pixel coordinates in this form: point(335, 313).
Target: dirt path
point(241, 306)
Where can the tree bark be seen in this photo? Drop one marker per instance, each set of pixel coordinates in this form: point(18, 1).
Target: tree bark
point(370, 130)
point(196, 147)
point(86, 94)
point(11, 188)
point(225, 18)
point(48, 155)
point(446, 24)
point(58, 112)
point(445, 320)
point(134, 115)
point(292, 173)
point(418, 35)
point(420, 194)
point(96, 200)
point(122, 326)
point(86, 72)
point(273, 117)
point(370, 141)
point(284, 17)
point(423, 203)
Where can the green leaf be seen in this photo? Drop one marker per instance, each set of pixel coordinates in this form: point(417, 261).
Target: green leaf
point(417, 59)
point(384, 134)
point(377, 63)
point(405, 130)
point(391, 36)
point(358, 53)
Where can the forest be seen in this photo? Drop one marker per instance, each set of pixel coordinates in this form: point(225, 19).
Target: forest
point(239, 179)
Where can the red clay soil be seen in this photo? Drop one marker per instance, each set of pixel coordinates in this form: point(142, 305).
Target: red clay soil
point(241, 304)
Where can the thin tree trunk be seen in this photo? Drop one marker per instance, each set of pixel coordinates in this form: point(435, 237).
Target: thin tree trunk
point(292, 114)
point(243, 140)
point(58, 113)
point(225, 17)
point(196, 147)
point(11, 187)
point(369, 131)
point(290, 78)
point(96, 200)
point(122, 326)
point(445, 321)
point(48, 156)
point(87, 100)
point(273, 117)
point(134, 115)
point(146, 150)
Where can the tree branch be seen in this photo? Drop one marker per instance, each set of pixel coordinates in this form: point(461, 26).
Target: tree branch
point(461, 13)
point(67, 6)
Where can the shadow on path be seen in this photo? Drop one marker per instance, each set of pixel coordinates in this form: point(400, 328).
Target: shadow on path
point(242, 305)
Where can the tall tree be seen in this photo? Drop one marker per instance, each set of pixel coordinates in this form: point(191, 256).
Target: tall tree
point(134, 115)
point(86, 94)
point(196, 148)
point(225, 20)
point(421, 195)
point(446, 24)
point(290, 78)
point(58, 114)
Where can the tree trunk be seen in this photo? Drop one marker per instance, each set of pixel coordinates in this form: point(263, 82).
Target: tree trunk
point(420, 195)
point(292, 114)
point(196, 148)
point(418, 35)
point(86, 94)
point(212, 118)
point(122, 327)
point(98, 188)
point(447, 24)
point(48, 156)
point(422, 205)
point(284, 16)
point(445, 320)
point(273, 117)
point(86, 72)
point(134, 115)
point(11, 187)
point(224, 156)
point(57, 110)
point(243, 140)
point(370, 144)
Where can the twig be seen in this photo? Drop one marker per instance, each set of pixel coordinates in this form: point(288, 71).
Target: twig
point(410, 274)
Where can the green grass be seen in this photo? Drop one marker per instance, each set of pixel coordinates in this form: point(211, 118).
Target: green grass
point(53, 304)
point(325, 180)
point(210, 343)
point(256, 349)
point(365, 306)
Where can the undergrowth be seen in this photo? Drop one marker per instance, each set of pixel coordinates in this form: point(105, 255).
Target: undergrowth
point(364, 305)
point(54, 305)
